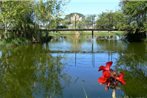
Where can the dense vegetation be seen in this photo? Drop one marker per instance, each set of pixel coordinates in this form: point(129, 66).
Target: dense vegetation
point(23, 19)
point(136, 14)
point(132, 17)
point(26, 17)
point(111, 20)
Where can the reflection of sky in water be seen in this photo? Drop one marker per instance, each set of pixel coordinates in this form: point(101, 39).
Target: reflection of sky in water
point(83, 67)
point(83, 71)
point(78, 78)
point(64, 45)
point(0, 53)
point(86, 45)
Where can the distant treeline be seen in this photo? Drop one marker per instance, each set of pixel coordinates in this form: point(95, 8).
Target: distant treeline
point(26, 17)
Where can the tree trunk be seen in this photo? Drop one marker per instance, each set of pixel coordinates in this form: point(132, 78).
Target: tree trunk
point(5, 36)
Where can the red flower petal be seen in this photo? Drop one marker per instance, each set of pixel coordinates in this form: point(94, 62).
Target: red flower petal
point(102, 80)
point(107, 67)
point(101, 68)
point(120, 78)
point(106, 74)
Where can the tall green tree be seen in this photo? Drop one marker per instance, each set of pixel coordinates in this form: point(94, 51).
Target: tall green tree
point(15, 15)
point(111, 20)
point(136, 13)
point(26, 16)
point(90, 21)
point(47, 12)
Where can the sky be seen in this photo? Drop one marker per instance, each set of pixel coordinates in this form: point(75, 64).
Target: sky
point(88, 7)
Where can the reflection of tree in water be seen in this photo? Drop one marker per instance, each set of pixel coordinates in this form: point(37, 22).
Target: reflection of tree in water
point(76, 40)
point(134, 62)
point(111, 45)
point(28, 71)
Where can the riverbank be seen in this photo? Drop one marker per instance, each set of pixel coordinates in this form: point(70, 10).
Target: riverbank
point(98, 33)
point(14, 42)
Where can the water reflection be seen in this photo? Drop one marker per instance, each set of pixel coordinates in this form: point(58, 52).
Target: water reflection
point(134, 62)
point(112, 45)
point(30, 71)
point(67, 68)
point(81, 64)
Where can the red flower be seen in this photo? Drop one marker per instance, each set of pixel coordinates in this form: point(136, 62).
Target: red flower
point(110, 78)
point(106, 68)
point(120, 78)
point(103, 79)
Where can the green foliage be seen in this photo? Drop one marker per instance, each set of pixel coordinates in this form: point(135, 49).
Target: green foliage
point(14, 42)
point(111, 20)
point(90, 21)
point(29, 70)
point(145, 26)
point(133, 63)
point(135, 12)
point(16, 15)
point(47, 12)
point(25, 17)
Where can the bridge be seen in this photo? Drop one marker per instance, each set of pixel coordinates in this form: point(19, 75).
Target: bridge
point(92, 30)
point(55, 30)
point(78, 29)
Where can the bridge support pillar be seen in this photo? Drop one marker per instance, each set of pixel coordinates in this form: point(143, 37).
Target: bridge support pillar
point(92, 34)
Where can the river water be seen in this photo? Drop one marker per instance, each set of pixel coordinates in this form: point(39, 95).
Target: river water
point(67, 67)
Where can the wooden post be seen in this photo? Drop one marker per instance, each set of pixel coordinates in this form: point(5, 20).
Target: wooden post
point(93, 58)
point(92, 34)
point(46, 37)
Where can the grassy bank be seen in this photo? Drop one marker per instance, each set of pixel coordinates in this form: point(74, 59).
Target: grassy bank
point(13, 42)
point(23, 41)
point(97, 33)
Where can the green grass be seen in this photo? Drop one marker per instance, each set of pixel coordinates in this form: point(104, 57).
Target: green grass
point(106, 33)
point(97, 33)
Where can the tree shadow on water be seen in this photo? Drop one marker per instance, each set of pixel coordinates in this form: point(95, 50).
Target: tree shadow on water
point(29, 72)
point(134, 63)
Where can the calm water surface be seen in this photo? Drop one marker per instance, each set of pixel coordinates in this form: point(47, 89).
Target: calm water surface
point(67, 67)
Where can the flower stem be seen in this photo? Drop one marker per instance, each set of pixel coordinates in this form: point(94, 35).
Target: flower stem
point(113, 93)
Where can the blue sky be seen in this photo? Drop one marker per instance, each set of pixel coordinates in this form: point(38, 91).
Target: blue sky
point(87, 7)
